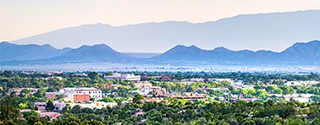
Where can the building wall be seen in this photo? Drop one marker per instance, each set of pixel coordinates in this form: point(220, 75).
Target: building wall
point(51, 95)
point(81, 98)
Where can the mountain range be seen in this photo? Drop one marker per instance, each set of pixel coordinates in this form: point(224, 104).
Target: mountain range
point(254, 31)
point(9, 52)
point(297, 54)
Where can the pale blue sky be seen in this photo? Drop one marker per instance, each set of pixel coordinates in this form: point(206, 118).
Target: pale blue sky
point(24, 18)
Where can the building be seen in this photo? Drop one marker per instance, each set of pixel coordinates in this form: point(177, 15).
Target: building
point(81, 98)
point(51, 115)
point(221, 80)
point(77, 94)
point(130, 77)
point(144, 91)
point(143, 84)
point(300, 83)
point(58, 106)
point(40, 106)
point(163, 78)
point(95, 105)
point(51, 95)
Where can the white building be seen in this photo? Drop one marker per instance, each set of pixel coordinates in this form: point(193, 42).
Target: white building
point(144, 91)
point(93, 92)
point(221, 80)
point(96, 105)
point(130, 77)
point(301, 83)
point(58, 106)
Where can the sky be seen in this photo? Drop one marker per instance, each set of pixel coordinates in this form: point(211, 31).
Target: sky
point(23, 18)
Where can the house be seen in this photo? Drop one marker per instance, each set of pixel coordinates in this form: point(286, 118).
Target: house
point(58, 106)
point(40, 106)
point(109, 87)
point(237, 85)
point(197, 80)
point(293, 83)
point(51, 115)
point(300, 83)
point(51, 95)
point(143, 84)
point(163, 78)
point(144, 91)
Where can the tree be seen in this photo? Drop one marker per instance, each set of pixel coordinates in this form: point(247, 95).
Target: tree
point(252, 91)
point(92, 75)
point(248, 122)
point(22, 105)
point(107, 99)
point(51, 89)
point(270, 89)
point(8, 108)
point(32, 113)
point(32, 120)
point(72, 120)
point(87, 110)
point(92, 122)
point(262, 93)
point(137, 99)
point(315, 121)
point(49, 106)
point(76, 109)
point(10, 122)
point(277, 91)
point(40, 93)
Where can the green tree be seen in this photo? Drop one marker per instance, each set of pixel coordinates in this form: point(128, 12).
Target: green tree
point(32, 120)
point(72, 120)
point(137, 99)
point(40, 93)
point(76, 109)
point(270, 89)
point(49, 106)
point(92, 122)
point(8, 108)
point(315, 121)
point(92, 75)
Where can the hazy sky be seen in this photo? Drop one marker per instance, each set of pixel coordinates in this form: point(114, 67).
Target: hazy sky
point(23, 18)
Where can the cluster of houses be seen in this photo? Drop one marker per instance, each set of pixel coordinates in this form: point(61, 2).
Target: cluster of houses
point(83, 96)
point(72, 96)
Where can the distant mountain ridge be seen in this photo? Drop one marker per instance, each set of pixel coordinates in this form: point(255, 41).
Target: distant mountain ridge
point(297, 54)
point(256, 31)
point(95, 53)
point(9, 51)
